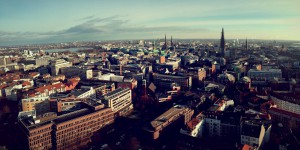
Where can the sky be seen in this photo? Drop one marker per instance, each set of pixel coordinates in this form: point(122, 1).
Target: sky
point(47, 21)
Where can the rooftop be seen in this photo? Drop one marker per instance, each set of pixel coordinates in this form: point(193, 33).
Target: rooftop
point(286, 113)
point(72, 115)
point(116, 91)
point(78, 92)
point(169, 76)
point(167, 115)
point(290, 97)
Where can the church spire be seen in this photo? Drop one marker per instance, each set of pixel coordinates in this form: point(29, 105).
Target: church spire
point(165, 41)
point(246, 44)
point(222, 43)
point(165, 45)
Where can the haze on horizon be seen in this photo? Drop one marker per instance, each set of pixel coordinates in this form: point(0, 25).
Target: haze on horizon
point(35, 21)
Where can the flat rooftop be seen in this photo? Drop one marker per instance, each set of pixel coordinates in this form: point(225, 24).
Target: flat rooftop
point(169, 76)
point(72, 115)
point(115, 92)
point(167, 115)
point(79, 92)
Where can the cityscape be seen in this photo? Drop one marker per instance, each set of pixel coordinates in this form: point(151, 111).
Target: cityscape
point(150, 75)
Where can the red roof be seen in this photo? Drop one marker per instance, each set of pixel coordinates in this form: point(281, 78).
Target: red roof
point(32, 74)
point(3, 86)
point(26, 83)
point(192, 124)
point(246, 147)
point(49, 87)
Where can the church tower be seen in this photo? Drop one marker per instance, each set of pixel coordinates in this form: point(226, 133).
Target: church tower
point(222, 43)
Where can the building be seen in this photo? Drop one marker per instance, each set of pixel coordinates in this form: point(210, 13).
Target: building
point(201, 74)
point(82, 72)
point(46, 90)
point(72, 83)
point(287, 118)
point(286, 101)
point(165, 81)
point(198, 75)
point(57, 65)
point(7, 64)
point(264, 75)
point(195, 127)
point(84, 92)
point(42, 61)
point(128, 83)
point(162, 59)
point(119, 100)
point(55, 78)
point(36, 133)
point(69, 131)
point(164, 120)
point(38, 104)
point(255, 132)
point(75, 129)
point(212, 86)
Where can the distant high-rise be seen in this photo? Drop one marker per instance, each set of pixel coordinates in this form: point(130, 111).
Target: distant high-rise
point(222, 43)
point(171, 41)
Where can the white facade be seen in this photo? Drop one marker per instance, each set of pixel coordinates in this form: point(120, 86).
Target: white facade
point(198, 131)
point(286, 105)
point(265, 75)
point(118, 99)
point(89, 93)
point(57, 64)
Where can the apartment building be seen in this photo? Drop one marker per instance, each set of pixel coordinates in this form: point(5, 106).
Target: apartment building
point(286, 101)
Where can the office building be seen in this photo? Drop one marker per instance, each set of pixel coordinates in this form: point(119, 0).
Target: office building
point(255, 132)
point(119, 100)
point(42, 61)
point(264, 75)
point(68, 131)
point(170, 116)
point(57, 65)
point(165, 81)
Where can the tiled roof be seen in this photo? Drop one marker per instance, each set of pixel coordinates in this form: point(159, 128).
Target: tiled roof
point(3, 86)
point(49, 87)
point(192, 124)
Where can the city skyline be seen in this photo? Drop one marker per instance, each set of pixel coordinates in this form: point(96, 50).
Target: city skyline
point(31, 22)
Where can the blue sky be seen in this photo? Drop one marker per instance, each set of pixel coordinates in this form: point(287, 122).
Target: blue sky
point(41, 21)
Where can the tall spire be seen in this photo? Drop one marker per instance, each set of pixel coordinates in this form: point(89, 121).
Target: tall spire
point(153, 44)
point(165, 45)
point(165, 41)
point(171, 41)
point(222, 43)
point(246, 44)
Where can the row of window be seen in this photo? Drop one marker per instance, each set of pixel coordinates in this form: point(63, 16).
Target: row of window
point(41, 131)
point(83, 120)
